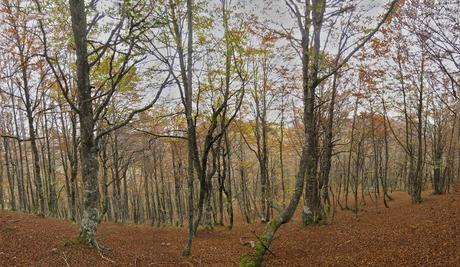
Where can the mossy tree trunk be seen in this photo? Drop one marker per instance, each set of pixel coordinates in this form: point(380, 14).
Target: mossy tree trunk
point(267, 236)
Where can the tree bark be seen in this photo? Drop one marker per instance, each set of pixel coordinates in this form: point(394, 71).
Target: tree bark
point(88, 148)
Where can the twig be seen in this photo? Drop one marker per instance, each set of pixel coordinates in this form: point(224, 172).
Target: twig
point(64, 257)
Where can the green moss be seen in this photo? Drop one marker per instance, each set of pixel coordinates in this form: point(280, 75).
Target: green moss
point(247, 261)
point(257, 256)
point(258, 249)
point(272, 224)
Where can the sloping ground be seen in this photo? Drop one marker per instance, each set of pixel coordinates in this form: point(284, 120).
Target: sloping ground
point(404, 235)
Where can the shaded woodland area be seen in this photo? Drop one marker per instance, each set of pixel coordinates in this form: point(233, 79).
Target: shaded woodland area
point(200, 114)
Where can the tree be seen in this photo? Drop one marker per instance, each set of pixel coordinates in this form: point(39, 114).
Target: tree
point(309, 15)
point(89, 115)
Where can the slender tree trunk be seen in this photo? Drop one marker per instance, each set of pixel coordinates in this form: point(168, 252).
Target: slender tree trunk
point(19, 161)
point(328, 143)
point(9, 174)
point(53, 205)
point(146, 187)
point(387, 157)
point(177, 168)
point(2, 201)
point(228, 171)
point(350, 153)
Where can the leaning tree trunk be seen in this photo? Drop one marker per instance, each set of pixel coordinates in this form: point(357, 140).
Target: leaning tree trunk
point(267, 236)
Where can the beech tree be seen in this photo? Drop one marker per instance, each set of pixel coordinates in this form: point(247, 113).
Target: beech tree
point(324, 102)
point(310, 18)
point(88, 113)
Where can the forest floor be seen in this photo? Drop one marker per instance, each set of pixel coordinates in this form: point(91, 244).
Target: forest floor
point(402, 235)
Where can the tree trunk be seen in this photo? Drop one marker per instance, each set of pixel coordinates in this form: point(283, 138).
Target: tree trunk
point(88, 148)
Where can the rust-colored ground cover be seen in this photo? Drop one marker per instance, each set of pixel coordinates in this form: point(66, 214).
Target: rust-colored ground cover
point(403, 235)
